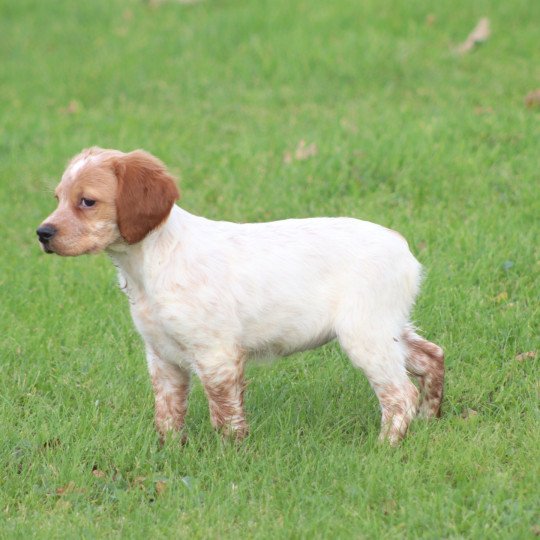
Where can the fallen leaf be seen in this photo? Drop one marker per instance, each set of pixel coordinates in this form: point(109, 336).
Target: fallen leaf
point(305, 151)
point(72, 108)
point(501, 297)
point(389, 507)
point(483, 110)
point(98, 474)
point(63, 504)
point(68, 488)
point(532, 99)
point(468, 413)
point(302, 152)
point(138, 480)
point(480, 34)
point(161, 486)
point(524, 355)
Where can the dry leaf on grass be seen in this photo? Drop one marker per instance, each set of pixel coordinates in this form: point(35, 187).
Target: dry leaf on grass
point(483, 110)
point(532, 99)
point(389, 507)
point(138, 480)
point(303, 151)
point(480, 34)
point(161, 486)
point(525, 355)
point(68, 488)
point(501, 297)
point(469, 413)
point(63, 504)
point(72, 108)
point(98, 474)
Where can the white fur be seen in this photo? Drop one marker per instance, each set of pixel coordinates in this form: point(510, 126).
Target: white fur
point(77, 166)
point(202, 290)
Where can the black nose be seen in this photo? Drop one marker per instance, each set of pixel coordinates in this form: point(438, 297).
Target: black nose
point(45, 233)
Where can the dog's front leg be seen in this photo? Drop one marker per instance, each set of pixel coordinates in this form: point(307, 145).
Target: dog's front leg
point(171, 389)
point(222, 376)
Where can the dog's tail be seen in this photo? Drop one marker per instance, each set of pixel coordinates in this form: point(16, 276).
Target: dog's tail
point(425, 361)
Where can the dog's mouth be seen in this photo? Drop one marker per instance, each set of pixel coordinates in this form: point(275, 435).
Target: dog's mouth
point(64, 251)
point(46, 247)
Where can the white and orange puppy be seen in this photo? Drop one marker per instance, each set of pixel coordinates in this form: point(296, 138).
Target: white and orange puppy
point(206, 296)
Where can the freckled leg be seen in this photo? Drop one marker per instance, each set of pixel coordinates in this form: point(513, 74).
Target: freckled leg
point(171, 389)
point(383, 363)
point(425, 361)
point(399, 402)
point(223, 382)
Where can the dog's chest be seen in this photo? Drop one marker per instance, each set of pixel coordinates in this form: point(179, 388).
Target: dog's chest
point(160, 330)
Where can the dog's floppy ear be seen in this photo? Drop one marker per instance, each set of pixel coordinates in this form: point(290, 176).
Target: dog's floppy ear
point(145, 195)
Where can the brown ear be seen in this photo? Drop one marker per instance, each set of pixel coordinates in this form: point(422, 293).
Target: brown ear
point(145, 195)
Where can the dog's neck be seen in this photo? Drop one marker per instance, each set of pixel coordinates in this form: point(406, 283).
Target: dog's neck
point(134, 261)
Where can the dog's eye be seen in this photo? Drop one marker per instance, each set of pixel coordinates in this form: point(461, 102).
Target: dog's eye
point(87, 203)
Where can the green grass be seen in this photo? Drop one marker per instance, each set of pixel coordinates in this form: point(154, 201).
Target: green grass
point(408, 134)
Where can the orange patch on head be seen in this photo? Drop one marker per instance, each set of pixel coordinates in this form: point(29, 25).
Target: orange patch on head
point(82, 229)
point(131, 194)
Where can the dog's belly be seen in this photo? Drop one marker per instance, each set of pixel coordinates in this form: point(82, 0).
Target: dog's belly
point(284, 347)
point(163, 334)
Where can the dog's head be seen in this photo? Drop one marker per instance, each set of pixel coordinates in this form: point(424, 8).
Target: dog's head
point(107, 197)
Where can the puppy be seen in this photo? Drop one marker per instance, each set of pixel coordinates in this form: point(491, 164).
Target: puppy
point(206, 296)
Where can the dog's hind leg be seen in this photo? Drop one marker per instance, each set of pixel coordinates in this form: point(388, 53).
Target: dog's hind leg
point(382, 359)
point(425, 361)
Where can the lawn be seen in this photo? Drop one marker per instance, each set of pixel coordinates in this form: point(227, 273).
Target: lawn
point(265, 110)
